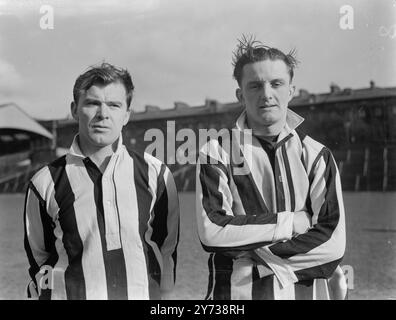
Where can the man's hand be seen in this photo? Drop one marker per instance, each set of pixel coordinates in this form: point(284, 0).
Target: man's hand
point(301, 222)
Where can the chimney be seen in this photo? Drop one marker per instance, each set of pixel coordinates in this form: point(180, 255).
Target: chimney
point(372, 84)
point(150, 108)
point(302, 93)
point(211, 103)
point(347, 91)
point(181, 105)
point(334, 88)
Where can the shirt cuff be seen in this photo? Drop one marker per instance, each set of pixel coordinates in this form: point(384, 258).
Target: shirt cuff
point(284, 226)
point(281, 269)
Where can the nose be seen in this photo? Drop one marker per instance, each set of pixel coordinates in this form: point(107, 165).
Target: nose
point(267, 91)
point(103, 112)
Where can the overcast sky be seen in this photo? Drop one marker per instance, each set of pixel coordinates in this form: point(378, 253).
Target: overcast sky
point(181, 50)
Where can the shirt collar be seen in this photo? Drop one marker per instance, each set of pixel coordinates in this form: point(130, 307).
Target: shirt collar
point(75, 149)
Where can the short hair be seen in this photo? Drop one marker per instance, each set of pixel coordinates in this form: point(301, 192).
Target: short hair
point(103, 74)
point(249, 50)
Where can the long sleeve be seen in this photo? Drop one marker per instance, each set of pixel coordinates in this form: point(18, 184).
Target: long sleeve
point(166, 227)
point(317, 253)
point(38, 236)
point(219, 227)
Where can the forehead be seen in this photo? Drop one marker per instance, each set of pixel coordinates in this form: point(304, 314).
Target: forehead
point(265, 70)
point(112, 91)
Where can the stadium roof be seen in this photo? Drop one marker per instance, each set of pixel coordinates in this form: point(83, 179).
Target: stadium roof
point(13, 117)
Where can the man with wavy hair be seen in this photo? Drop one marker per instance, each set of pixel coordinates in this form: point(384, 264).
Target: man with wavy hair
point(277, 229)
point(102, 222)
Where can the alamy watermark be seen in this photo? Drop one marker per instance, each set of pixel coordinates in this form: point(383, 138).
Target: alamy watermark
point(232, 149)
point(47, 18)
point(346, 19)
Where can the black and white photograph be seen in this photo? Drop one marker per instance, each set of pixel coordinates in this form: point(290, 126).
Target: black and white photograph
point(184, 150)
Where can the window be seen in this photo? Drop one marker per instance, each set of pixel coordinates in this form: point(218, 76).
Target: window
point(362, 113)
point(378, 112)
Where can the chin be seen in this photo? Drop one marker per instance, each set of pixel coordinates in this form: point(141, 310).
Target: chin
point(102, 142)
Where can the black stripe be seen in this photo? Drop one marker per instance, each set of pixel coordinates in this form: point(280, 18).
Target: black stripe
point(49, 243)
point(217, 164)
point(250, 196)
point(235, 251)
point(262, 288)
point(311, 175)
point(159, 224)
point(303, 290)
point(64, 196)
point(211, 276)
point(283, 141)
point(301, 134)
point(114, 261)
point(321, 271)
point(223, 271)
point(144, 198)
point(213, 202)
point(289, 179)
point(280, 195)
point(327, 220)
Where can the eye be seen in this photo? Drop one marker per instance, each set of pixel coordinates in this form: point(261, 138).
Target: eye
point(254, 86)
point(115, 105)
point(277, 84)
point(92, 103)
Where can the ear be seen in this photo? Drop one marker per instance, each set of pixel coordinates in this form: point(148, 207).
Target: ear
point(238, 94)
point(127, 116)
point(73, 109)
point(292, 89)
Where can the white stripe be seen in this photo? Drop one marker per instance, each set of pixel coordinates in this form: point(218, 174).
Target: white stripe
point(283, 293)
point(153, 176)
point(59, 286)
point(88, 229)
point(135, 261)
point(241, 279)
point(320, 290)
point(110, 210)
point(237, 206)
point(34, 229)
point(59, 290)
point(299, 176)
point(210, 296)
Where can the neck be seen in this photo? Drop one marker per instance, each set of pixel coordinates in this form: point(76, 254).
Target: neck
point(98, 155)
point(264, 131)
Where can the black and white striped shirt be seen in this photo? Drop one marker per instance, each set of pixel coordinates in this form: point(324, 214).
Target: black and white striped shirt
point(90, 235)
point(253, 212)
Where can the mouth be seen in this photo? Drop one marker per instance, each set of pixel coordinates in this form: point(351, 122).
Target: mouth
point(100, 127)
point(267, 106)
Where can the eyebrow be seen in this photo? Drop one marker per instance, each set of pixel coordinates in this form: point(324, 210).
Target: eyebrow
point(273, 80)
point(93, 100)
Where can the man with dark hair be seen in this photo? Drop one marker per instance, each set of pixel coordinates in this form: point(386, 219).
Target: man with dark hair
point(277, 229)
point(102, 222)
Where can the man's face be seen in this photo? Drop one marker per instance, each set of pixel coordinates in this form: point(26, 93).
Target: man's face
point(265, 93)
point(101, 113)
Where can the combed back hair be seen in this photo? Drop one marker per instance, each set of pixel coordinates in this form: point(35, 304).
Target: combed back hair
point(250, 50)
point(103, 74)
